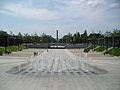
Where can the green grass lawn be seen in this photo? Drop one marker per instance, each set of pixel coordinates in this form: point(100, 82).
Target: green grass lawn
point(12, 49)
point(22, 47)
point(2, 50)
point(101, 49)
point(16, 48)
point(116, 52)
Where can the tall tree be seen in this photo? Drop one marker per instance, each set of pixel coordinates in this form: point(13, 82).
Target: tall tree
point(84, 37)
point(20, 36)
point(116, 32)
point(3, 33)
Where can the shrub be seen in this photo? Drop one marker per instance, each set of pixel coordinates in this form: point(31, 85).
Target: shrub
point(12, 48)
point(1, 53)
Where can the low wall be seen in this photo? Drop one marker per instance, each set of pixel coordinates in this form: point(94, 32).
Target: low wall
point(56, 46)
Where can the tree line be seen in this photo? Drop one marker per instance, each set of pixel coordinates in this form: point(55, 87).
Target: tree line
point(27, 38)
point(82, 38)
point(69, 38)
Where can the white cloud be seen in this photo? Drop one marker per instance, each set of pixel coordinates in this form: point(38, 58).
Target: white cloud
point(31, 12)
point(63, 9)
point(67, 15)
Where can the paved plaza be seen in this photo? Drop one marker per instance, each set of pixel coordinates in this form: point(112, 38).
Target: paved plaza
point(59, 69)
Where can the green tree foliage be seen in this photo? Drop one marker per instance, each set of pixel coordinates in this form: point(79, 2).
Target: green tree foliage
point(84, 37)
point(116, 32)
point(44, 38)
point(75, 38)
point(3, 33)
point(35, 38)
point(95, 35)
point(68, 38)
point(20, 37)
point(27, 38)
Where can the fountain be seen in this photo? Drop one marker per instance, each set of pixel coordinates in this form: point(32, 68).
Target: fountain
point(55, 61)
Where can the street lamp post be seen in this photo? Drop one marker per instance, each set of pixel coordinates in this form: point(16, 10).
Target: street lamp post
point(94, 44)
point(104, 43)
point(113, 44)
point(86, 42)
point(6, 43)
point(99, 43)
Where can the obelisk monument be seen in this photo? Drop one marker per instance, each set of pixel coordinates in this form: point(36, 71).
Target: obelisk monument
point(57, 36)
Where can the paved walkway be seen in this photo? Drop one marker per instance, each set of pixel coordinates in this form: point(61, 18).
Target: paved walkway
point(108, 81)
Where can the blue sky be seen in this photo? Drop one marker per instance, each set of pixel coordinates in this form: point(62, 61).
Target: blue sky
point(30, 16)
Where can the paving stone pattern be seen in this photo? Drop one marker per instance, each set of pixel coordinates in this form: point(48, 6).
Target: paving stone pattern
point(68, 80)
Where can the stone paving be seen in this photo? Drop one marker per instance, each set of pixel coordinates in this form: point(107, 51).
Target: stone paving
point(67, 81)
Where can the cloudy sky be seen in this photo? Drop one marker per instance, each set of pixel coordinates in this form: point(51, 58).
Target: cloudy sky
point(29, 16)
